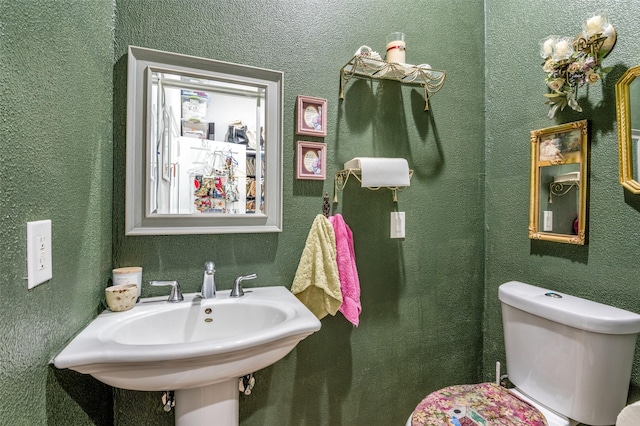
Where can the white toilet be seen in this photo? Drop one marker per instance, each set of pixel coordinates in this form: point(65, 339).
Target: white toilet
point(568, 357)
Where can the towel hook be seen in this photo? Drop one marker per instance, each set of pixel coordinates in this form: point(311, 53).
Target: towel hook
point(326, 207)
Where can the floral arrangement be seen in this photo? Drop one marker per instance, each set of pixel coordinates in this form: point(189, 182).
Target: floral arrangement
point(572, 63)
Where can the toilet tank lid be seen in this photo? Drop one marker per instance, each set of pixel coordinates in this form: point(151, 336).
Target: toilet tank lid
point(569, 310)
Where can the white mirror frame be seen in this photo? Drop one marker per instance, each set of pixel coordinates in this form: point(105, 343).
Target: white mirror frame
point(137, 221)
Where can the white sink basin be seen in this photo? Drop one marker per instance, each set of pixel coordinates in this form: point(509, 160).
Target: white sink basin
point(160, 346)
point(174, 325)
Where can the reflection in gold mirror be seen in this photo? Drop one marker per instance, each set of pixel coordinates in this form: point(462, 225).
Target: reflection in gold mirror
point(628, 114)
point(204, 146)
point(558, 191)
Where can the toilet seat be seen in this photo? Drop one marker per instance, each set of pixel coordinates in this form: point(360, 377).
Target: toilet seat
point(553, 418)
point(482, 404)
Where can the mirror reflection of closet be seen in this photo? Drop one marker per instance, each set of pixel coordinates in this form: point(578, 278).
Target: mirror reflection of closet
point(204, 146)
point(559, 183)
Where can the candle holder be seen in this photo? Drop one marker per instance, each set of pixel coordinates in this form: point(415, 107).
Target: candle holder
point(396, 48)
point(570, 63)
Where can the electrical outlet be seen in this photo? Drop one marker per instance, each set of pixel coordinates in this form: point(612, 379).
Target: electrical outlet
point(39, 267)
point(397, 224)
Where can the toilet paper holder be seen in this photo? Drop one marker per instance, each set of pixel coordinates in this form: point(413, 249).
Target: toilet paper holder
point(342, 177)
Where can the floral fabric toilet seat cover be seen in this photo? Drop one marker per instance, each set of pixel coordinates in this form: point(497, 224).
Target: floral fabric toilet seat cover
point(485, 404)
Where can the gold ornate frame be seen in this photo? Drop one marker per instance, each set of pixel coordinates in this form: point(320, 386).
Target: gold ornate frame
point(539, 160)
point(623, 112)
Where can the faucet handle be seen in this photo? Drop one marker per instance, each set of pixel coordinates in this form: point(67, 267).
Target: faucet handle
point(176, 291)
point(237, 286)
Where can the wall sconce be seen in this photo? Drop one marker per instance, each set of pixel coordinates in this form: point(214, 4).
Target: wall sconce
point(570, 63)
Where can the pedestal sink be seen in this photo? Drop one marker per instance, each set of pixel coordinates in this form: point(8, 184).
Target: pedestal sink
point(198, 347)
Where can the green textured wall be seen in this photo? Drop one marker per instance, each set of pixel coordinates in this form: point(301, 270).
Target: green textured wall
point(605, 270)
point(422, 297)
point(63, 80)
point(56, 83)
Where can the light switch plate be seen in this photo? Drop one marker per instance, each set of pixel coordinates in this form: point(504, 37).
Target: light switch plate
point(547, 225)
point(39, 267)
point(397, 224)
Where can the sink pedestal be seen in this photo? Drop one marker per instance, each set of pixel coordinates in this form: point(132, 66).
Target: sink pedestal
point(214, 404)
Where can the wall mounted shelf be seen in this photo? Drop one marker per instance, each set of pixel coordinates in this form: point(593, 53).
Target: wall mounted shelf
point(361, 66)
point(562, 188)
point(342, 177)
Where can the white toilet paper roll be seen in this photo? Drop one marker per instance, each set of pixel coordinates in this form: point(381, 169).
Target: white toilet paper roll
point(378, 171)
point(630, 415)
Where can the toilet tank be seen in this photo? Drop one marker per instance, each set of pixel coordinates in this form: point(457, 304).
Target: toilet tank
point(570, 354)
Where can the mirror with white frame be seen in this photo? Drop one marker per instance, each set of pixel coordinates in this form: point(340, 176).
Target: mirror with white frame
point(204, 146)
point(558, 189)
point(628, 114)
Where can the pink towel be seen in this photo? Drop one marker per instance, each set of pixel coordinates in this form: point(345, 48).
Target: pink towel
point(346, 259)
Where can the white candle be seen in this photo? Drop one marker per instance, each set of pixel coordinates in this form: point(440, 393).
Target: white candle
point(128, 275)
point(594, 25)
point(396, 48)
point(547, 47)
point(563, 49)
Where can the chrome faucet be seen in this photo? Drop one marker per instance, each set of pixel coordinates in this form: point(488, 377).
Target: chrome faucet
point(209, 281)
point(176, 291)
point(237, 291)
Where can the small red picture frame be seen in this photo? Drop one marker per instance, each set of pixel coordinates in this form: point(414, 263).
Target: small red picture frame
point(312, 116)
point(311, 160)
